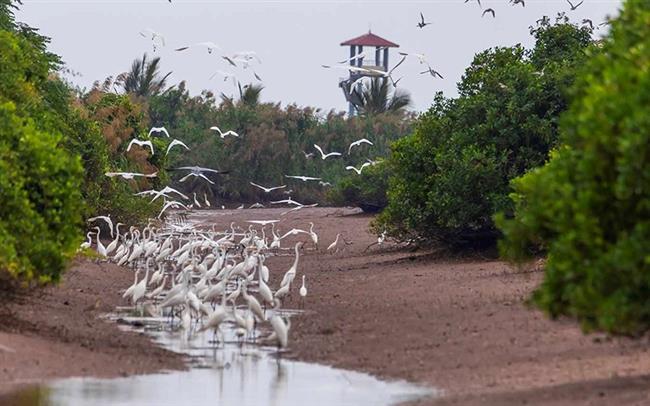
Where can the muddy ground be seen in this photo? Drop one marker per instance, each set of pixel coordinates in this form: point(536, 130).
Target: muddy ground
point(457, 323)
point(58, 331)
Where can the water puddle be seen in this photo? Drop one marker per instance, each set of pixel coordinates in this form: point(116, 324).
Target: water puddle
point(229, 374)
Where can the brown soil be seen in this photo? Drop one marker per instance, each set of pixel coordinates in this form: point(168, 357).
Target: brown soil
point(57, 332)
point(454, 323)
point(458, 324)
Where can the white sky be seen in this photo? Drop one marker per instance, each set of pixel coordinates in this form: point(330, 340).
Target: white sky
point(293, 38)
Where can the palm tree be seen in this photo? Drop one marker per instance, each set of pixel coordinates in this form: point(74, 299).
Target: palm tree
point(250, 96)
point(378, 98)
point(144, 78)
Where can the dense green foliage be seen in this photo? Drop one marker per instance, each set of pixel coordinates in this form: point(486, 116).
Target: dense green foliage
point(589, 207)
point(54, 151)
point(273, 143)
point(39, 180)
point(453, 173)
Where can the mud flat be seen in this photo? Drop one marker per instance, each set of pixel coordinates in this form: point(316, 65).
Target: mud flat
point(455, 323)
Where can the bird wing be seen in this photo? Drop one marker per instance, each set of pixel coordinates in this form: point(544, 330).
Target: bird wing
point(421, 17)
point(184, 178)
point(172, 190)
point(163, 129)
point(215, 128)
point(207, 170)
point(177, 142)
point(151, 175)
point(352, 168)
point(231, 132)
point(320, 150)
point(333, 154)
point(261, 187)
point(206, 178)
point(149, 144)
point(398, 64)
point(230, 61)
point(182, 48)
point(131, 144)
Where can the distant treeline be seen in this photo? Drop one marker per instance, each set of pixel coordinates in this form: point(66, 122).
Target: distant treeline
point(57, 142)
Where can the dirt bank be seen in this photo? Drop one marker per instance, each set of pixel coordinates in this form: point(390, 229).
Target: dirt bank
point(57, 331)
point(459, 324)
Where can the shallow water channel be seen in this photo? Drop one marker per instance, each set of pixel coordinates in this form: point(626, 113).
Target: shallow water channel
point(225, 374)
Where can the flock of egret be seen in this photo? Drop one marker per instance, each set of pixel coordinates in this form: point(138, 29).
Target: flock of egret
point(208, 278)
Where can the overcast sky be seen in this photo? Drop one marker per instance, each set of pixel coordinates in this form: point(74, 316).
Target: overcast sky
point(293, 38)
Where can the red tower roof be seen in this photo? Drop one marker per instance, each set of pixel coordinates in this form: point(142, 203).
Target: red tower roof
point(370, 40)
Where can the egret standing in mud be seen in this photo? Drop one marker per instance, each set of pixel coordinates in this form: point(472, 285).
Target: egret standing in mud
point(303, 292)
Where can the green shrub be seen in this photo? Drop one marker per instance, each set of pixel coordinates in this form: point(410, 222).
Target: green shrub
point(451, 176)
point(40, 205)
point(589, 207)
point(367, 191)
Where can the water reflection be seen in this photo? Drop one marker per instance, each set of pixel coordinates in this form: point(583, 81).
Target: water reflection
point(229, 375)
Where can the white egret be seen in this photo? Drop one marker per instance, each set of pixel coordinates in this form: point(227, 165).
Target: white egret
point(159, 130)
point(101, 250)
point(334, 244)
point(358, 143)
point(302, 178)
point(323, 155)
point(210, 46)
point(174, 143)
point(130, 175)
point(222, 134)
point(268, 189)
point(358, 171)
point(291, 273)
point(303, 291)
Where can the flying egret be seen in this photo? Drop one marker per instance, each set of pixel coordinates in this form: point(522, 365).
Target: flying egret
point(324, 156)
point(155, 37)
point(358, 143)
point(130, 175)
point(302, 178)
point(211, 46)
point(263, 222)
point(140, 143)
point(159, 130)
point(172, 204)
point(222, 134)
point(268, 189)
point(358, 171)
point(174, 143)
